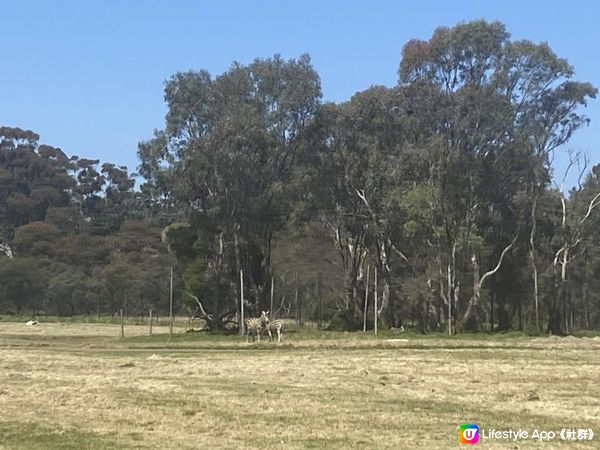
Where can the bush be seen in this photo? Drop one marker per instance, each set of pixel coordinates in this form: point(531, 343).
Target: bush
point(345, 321)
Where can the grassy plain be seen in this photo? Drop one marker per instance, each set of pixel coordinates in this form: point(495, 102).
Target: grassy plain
point(79, 386)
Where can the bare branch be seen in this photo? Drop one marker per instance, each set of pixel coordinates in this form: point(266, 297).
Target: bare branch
point(398, 252)
point(533, 222)
point(363, 197)
point(591, 206)
point(564, 210)
point(441, 280)
point(582, 167)
point(504, 252)
point(581, 252)
point(562, 249)
point(202, 310)
point(573, 160)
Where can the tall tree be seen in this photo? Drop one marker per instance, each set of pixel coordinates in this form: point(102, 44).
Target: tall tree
point(226, 152)
point(496, 100)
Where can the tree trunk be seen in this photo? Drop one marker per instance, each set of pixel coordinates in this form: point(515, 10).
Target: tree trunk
point(520, 316)
point(296, 298)
point(474, 315)
point(387, 303)
point(450, 295)
point(532, 257)
point(375, 306)
point(271, 312)
point(238, 262)
point(536, 295)
point(241, 323)
point(318, 295)
point(585, 306)
point(555, 314)
point(171, 301)
point(571, 316)
point(492, 297)
point(503, 317)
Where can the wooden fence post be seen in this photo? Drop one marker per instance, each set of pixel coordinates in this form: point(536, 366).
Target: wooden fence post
point(318, 294)
point(366, 301)
point(171, 302)
point(122, 324)
point(375, 310)
point(241, 302)
point(296, 298)
point(272, 291)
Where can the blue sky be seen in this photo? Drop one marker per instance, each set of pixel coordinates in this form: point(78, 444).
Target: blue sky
point(88, 75)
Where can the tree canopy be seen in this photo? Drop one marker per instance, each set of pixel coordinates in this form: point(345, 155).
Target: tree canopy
point(443, 183)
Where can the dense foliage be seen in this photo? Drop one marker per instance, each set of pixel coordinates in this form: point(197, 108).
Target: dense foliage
point(75, 237)
point(443, 184)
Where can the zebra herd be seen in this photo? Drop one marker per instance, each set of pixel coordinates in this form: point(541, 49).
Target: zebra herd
point(257, 325)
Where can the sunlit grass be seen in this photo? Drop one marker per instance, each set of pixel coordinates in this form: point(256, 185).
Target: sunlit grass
point(81, 386)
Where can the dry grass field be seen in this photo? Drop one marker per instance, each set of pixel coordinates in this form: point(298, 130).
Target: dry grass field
point(79, 386)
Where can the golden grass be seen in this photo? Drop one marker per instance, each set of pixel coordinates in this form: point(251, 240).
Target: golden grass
point(79, 386)
point(65, 329)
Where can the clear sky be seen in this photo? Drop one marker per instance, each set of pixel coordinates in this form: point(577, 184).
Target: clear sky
point(88, 75)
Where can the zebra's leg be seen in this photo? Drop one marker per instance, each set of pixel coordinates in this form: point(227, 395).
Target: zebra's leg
point(278, 335)
point(258, 334)
point(270, 335)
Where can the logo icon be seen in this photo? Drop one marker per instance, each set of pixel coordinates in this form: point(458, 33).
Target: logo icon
point(469, 434)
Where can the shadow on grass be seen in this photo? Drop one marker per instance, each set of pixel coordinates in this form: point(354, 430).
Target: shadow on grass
point(34, 436)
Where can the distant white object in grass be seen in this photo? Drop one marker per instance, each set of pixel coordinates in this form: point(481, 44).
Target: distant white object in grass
point(31, 323)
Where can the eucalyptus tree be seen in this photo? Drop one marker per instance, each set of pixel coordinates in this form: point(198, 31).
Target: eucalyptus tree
point(546, 99)
point(333, 167)
point(33, 177)
point(378, 124)
point(468, 126)
point(585, 273)
point(23, 284)
point(353, 166)
point(63, 224)
point(578, 211)
point(225, 154)
point(500, 108)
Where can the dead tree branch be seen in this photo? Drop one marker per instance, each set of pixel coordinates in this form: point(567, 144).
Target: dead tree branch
point(504, 252)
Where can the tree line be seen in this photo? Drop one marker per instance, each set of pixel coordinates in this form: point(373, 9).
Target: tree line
point(445, 184)
point(74, 236)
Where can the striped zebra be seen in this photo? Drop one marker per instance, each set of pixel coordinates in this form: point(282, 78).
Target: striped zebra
point(256, 325)
point(276, 326)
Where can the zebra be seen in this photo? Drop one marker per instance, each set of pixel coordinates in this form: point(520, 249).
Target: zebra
point(256, 324)
point(275, 326)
